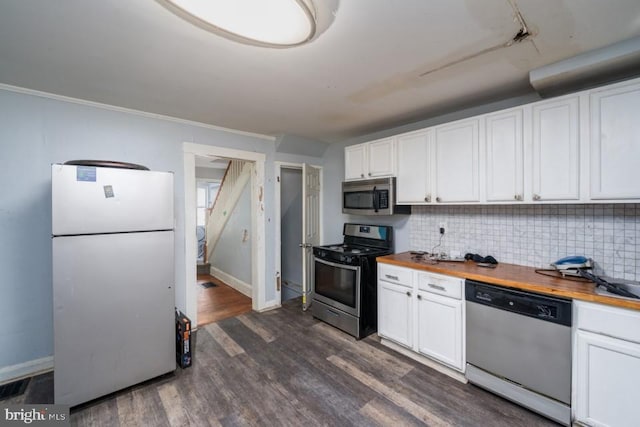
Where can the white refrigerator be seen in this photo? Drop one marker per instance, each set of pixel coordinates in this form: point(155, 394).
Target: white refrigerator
point(113, 279)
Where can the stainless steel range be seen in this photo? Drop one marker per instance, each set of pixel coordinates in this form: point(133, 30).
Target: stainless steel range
point(345, 294)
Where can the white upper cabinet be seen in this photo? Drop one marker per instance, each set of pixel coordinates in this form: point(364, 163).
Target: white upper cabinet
point(504, 156)
point(556, 154)
point(615, 143)
point(382, 158)
point(579, 148)
point(355, 161)
point(413, 183)
point(370, 160)
point(457, 147)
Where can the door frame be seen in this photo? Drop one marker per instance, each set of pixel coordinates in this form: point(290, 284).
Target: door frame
point(278, 235)
point(258, 223)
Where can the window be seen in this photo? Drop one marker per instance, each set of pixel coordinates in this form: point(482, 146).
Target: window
point(205, 196)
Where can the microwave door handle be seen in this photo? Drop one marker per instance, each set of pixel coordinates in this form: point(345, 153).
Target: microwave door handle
point(375, 200)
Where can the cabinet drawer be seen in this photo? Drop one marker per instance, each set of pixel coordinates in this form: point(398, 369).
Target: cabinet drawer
point(603, 319)
point(441, 285)
point(399, 275)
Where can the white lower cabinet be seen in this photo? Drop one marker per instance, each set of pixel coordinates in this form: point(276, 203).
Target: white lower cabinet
point(606, 366)
point(423, 312)
point(440, 328)
point(394, 313)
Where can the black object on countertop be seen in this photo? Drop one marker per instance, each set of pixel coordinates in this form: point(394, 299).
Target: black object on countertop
point(610, 287)
point(480, 259)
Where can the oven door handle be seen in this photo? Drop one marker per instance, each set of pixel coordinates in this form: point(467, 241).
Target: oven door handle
point(337, 265)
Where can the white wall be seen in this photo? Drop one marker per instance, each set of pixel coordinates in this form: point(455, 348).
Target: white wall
point(232, 253)
point(36, 131)
point(536, 235)
point(210, 173)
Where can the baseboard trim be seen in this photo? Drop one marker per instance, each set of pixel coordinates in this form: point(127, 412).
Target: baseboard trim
point(425, 360)
point(237, 284)
point(26, 369)
point(270, 305)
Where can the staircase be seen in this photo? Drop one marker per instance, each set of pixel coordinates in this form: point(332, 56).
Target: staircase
point(237, 175)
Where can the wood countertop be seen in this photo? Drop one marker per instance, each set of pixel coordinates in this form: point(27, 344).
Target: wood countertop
point(513, 276)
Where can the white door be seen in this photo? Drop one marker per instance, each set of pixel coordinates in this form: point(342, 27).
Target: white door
point(413, 183)
point(90, 200)
point(457, 174)
point(615, 143)
point(394, 312)
point(608, 374)
point(310, 227)
point(113, 312)
point(556, 156)
point(381, 158)
point(505, 157)
point(355, 161)
point(440, 328)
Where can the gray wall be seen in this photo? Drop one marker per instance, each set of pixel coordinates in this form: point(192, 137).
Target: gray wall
point(231, 254)
point(37, 131)
point(291, 225)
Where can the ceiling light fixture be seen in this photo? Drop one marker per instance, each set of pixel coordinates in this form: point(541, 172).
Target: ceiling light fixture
point(269, 23)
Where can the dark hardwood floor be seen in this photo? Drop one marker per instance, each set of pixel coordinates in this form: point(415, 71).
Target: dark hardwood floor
point(219, 302)
point(284, 368)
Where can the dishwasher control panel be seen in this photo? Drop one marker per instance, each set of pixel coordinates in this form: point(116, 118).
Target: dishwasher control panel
point(530, 304)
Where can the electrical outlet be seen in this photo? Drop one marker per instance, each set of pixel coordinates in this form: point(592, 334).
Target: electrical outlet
point(443, 227)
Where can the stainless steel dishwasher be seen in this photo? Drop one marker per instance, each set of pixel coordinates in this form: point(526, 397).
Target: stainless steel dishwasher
point(519, 347)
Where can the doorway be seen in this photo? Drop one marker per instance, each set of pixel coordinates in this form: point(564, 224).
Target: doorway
point(298, 229)
point(223, 279)
point(257, 228)
point(291, 232)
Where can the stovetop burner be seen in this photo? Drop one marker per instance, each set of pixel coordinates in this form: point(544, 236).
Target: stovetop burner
point(351, 249)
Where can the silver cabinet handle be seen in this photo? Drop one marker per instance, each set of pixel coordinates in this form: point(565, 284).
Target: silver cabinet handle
point(438, 199)
point(427, 199)
point(517, 197)
point(369, 173)
point(438, 287)
point(536, 197)
point(388, 276)
point(361, 175)
point(419, 297)
point(408, 293)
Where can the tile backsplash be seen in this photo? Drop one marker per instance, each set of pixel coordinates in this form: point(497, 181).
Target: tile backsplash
point(536, 235)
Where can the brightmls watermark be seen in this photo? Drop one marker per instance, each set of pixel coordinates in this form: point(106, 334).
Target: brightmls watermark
point(35, 415)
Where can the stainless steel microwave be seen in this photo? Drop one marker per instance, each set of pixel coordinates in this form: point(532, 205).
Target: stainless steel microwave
point(371, 197)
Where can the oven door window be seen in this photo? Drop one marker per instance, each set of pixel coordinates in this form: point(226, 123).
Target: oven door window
point(359, 200)
point(337, 282)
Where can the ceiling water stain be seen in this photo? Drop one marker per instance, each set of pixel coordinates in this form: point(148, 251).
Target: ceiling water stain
point(514, 39)
point(485, 14)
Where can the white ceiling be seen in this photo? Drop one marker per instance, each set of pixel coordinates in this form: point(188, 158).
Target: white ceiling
point(362, 74)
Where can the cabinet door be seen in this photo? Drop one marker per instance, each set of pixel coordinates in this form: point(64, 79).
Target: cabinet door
point(440, 328)
point(505, 162)
point(394, 312)
point(355, 161)
point(457, 148)
point(382, 158)
point(556, 157)
point(615, 143)
point(412, 182)
point(608, 374)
